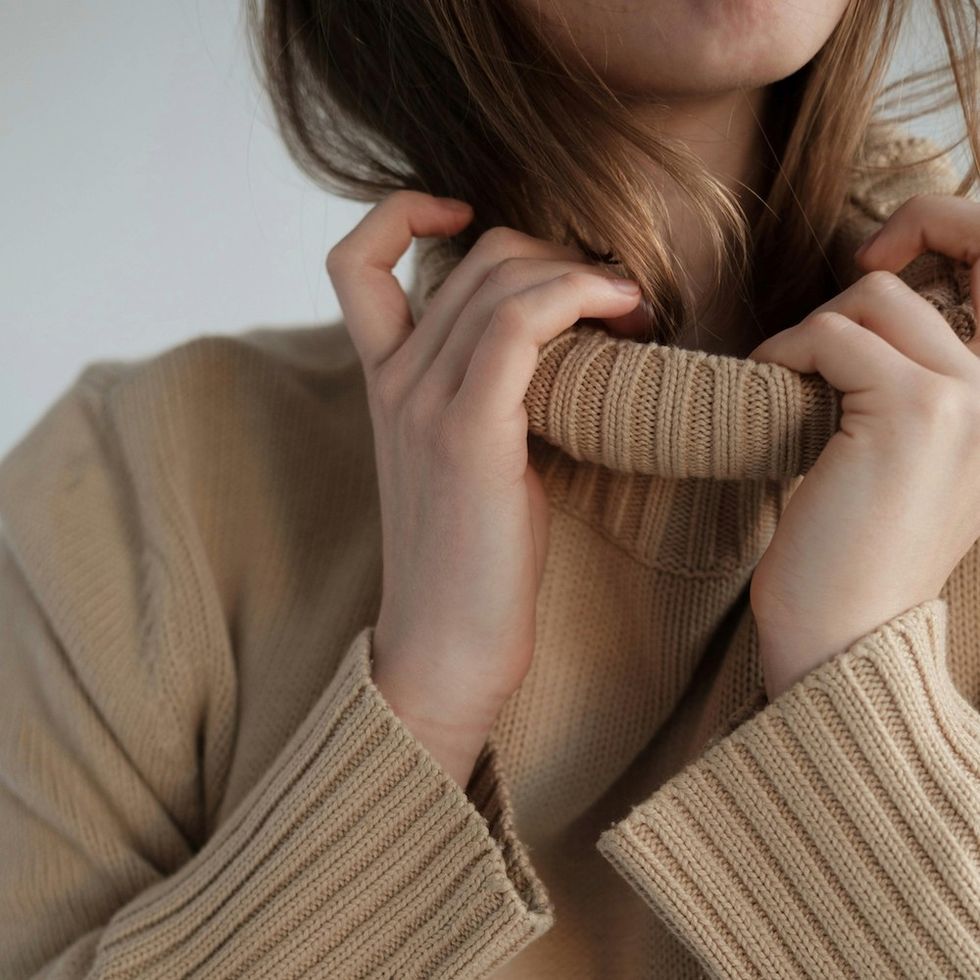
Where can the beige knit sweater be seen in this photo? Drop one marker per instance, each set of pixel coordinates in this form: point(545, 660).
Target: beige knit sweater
point(199, 778)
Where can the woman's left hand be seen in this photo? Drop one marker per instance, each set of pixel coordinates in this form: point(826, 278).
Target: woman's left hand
point(892, 504)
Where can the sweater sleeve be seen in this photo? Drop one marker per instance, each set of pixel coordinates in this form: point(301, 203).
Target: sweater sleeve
point(834, 833)
point(353, 854)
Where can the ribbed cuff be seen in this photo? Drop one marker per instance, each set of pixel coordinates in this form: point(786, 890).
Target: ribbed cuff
point(355, 855)
point(836, 832)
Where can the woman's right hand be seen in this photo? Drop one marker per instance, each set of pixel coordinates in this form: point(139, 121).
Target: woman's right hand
point(464, 516)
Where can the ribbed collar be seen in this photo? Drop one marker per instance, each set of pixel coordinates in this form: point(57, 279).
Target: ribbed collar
point(661, 410)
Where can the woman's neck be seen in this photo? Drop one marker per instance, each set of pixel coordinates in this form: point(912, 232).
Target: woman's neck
point(725, 133)
point(722, 130)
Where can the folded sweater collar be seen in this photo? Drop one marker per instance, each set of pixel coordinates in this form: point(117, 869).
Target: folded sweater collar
point(667, 411)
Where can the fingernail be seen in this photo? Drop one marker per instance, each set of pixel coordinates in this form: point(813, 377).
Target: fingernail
point(625, 285)
point(455, 203)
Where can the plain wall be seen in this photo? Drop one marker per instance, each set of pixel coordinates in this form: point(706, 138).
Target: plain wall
point(146, 197)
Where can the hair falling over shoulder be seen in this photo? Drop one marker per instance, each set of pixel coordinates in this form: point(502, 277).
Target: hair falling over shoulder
point(466, 100)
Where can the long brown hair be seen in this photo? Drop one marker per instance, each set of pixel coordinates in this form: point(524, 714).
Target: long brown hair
point(468, 100)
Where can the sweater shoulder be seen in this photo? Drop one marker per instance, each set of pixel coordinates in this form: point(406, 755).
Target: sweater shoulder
point(171, 482)
point(189, 525)
point(193, 377)
point(895, 164)
point(176, 410)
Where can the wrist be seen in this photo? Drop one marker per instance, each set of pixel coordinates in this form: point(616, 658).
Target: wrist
point(453, 735)
point(787, 656)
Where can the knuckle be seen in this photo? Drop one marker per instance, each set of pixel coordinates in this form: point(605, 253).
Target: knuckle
point(508, 322)
point(825, 321)
point(335, 258)
point(499, 240)
point(509, 272)
point(343, 254)
point(945, 399)
point(583, 280)
point(881, 281)
point(930, 399)
point(341, 257)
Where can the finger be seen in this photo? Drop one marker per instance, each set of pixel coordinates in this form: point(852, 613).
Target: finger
point(376, 310)
point(500, 371)
point(507, 278)
point(975, 289)
point(635, 325)
point(927, 223)
point(848, 356)
point(439, 318)
point(886, 305)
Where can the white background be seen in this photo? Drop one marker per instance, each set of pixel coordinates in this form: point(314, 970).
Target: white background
point(145, 196)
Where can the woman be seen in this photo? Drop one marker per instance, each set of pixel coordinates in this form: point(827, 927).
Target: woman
point(494, 630)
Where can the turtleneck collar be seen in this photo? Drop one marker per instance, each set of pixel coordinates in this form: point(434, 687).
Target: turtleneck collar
point(667, 411)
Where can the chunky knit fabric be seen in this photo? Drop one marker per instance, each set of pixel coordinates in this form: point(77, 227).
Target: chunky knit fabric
point(198, 776)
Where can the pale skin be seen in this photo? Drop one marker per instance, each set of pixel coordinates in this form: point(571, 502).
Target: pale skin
point(698, 70)
point(464, 514)
point(892, 504)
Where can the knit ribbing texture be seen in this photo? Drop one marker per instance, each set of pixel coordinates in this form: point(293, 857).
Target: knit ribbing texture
point(199, 778)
